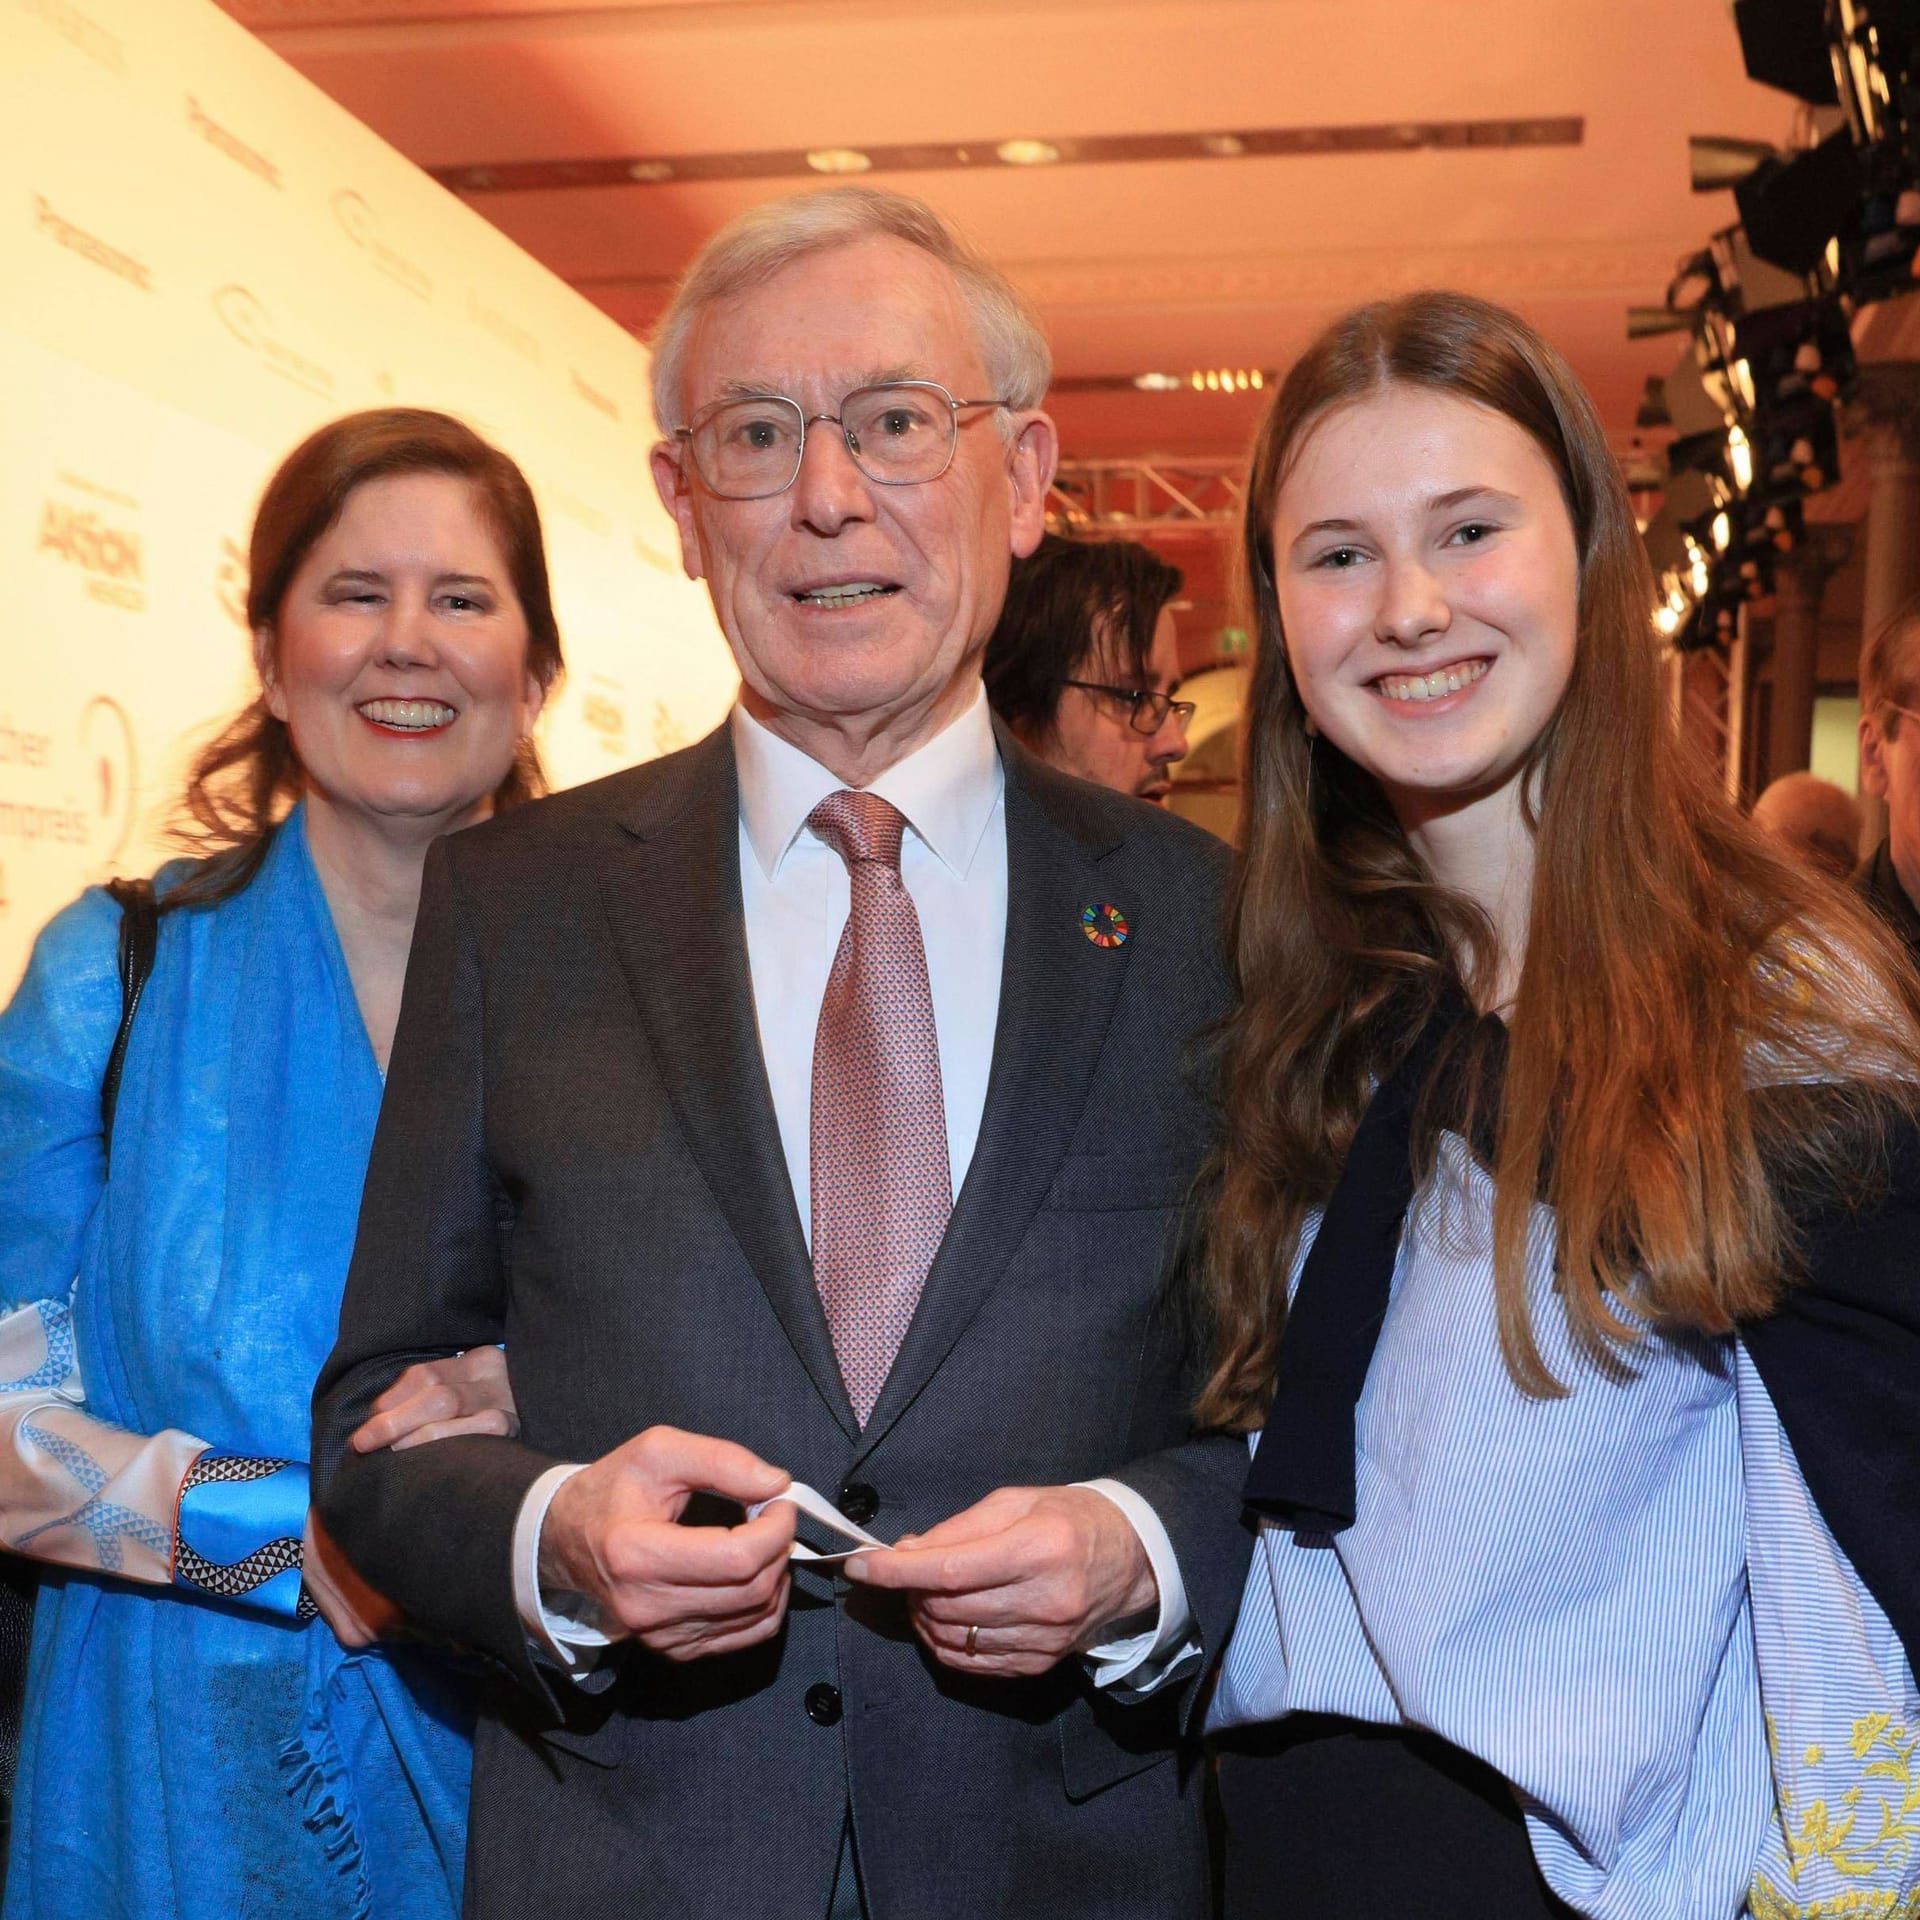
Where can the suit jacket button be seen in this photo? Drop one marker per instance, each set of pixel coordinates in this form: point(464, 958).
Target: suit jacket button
point(859, 1502)
point(823, 1704)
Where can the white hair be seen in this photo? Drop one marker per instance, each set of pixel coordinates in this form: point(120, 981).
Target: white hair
point(757, 244)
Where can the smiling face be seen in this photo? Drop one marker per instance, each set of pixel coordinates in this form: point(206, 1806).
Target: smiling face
point(398, 658)
point(857, 613)
point(1429, 586)
point(1093, 735)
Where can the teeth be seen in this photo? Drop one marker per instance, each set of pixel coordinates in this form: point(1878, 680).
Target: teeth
point(1431, 686)
point(423, 714)
point(843, 596)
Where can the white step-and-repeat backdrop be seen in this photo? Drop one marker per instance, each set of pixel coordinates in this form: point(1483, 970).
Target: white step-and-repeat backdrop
point(201, 259)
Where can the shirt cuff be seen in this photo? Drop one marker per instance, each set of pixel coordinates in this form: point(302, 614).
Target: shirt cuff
point(1142, 1661)
point(565, 1632)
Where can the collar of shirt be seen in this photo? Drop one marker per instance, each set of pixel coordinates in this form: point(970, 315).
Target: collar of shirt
point(947, 789)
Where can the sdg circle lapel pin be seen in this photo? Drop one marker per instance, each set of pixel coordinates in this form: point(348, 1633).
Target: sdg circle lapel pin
point(1105, 925)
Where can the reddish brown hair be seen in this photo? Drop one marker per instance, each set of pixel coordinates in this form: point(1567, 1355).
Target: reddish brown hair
point(1669, 944)
point(247, 776)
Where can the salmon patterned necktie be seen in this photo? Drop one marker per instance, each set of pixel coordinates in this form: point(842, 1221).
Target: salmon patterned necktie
point(882, 1189)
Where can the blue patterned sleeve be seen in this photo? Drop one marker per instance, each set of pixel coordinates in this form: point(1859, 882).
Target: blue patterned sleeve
point(160, 1509)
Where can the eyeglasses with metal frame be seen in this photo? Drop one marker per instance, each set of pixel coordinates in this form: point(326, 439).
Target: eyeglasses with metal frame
point(1146, 710)
point(900, 433)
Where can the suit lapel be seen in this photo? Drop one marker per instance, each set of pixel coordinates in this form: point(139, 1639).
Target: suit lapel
point(1057, 994)
point(673, 902)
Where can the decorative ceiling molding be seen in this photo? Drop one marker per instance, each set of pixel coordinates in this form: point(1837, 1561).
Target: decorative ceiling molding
point(267, 16)
point(358, 26)
point(1509, 271)
point(1024, 152)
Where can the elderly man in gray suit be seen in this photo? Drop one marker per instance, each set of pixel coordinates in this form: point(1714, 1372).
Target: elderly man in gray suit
point(818, 1102)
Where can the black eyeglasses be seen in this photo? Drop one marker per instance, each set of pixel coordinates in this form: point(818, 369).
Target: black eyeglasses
point(899, 434)
point(1146, 710)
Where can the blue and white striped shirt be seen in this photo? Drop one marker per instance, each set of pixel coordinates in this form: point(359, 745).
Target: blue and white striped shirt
point(1610, 1598)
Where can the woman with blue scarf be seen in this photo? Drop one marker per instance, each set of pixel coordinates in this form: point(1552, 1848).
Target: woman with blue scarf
point(195, 1745)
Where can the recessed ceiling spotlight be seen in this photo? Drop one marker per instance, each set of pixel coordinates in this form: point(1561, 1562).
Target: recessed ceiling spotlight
point(1223, 146)
point(838, 160)
point(649, 173)
point(1028, 153)
point(1158, 382)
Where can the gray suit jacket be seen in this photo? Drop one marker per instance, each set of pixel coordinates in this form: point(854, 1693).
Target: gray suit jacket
point(577, 1154)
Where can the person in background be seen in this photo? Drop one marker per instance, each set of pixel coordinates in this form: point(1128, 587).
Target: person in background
point(1084, 663)
point(1817, 819)
point(1890, 770)
point(1562, 1249)
point(195, 1747)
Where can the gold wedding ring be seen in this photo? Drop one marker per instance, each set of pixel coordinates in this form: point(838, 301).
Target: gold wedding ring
point(973, 1641)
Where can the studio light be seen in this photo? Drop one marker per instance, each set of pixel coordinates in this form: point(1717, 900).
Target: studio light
point(1792, 208)
point(1784, 43)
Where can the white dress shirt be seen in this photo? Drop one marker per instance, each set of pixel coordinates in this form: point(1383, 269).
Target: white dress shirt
point(794, 894)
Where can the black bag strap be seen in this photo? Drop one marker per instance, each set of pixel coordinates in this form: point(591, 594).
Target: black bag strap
point(139, 935)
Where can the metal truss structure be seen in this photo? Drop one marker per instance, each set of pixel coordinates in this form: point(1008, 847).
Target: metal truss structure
point(1709, 690)
point(1129, 499)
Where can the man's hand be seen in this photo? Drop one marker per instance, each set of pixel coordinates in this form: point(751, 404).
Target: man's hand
point(357, 1613)
point(612, 1533)
point(1018, 1581)
point(465, 1393)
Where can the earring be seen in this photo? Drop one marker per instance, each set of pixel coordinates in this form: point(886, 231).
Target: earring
point(1310, 727)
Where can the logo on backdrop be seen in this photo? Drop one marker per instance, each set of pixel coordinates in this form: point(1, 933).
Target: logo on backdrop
point(583, 513)
point(236, 149)
point(108, 769)
point(669, 736)
point(606, 714)
point(65, 789)
point(650, 555)
point(594, 398)
point(230, 582)
point(362, 226)
point(87, 34)
point(508, 332)
point(95, 535)
point(89, 246)
point(247, 319)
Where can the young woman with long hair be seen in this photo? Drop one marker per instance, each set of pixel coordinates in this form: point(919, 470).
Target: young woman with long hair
point(1563, 1245)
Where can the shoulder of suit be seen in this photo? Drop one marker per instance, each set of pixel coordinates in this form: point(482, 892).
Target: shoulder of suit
point(590, 814)
point(1149, 835)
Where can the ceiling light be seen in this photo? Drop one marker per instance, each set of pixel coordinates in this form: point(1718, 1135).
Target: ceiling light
point(1223, 146)
point(838, 160)
point(1028, 153)
point(649, 173)
point(1158, 382)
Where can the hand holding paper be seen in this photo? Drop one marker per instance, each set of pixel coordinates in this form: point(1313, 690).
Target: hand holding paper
point(816, 1507)
point(612, 1534)
point(1018, 1581)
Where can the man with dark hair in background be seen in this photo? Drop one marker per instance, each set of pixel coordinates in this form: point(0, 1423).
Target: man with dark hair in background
point(1083, 664)
point(1890, 769)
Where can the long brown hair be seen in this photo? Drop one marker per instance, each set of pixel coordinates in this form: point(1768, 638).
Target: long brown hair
point(245, 778)
point(1669, 945)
